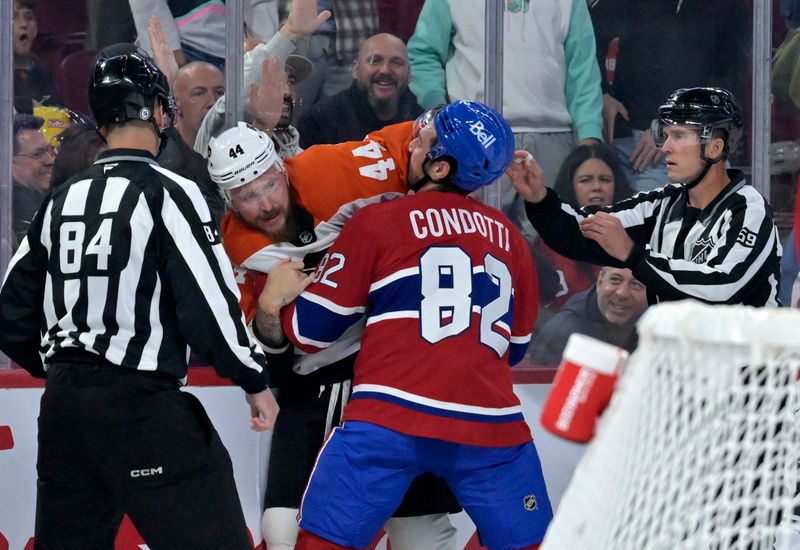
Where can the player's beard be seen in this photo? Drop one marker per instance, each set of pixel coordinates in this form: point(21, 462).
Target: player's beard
point(288, 232)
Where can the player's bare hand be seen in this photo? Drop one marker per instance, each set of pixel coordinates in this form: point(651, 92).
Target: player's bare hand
point(263, 410)
point(266, 98)
point(607, 231)
point(645, 154)
point(285, 282)
point(526, 177)
point(303, 19)
point(612, 108)
point(162, 54)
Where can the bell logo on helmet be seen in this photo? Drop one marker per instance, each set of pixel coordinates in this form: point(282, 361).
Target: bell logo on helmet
point(484, 137)
point(715, 99)
point(144, 113)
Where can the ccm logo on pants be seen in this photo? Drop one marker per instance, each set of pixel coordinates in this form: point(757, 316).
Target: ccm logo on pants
point(146, 472)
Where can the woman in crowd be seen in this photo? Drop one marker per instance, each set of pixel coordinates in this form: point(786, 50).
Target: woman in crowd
point(590, 176)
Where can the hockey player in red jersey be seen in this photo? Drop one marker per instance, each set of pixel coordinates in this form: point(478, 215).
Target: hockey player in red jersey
point(265, 225)
point(447, 288)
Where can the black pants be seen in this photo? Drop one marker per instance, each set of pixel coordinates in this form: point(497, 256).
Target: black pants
point(114, 441)
point(300, 430)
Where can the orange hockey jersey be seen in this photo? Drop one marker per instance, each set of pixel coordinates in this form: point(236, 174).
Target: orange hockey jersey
point(324, 178)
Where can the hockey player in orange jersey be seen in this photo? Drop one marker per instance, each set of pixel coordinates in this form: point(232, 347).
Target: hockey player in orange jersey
point(290, 208)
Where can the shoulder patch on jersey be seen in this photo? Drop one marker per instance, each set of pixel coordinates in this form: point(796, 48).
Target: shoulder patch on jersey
point(746, 238)
point(212, 234)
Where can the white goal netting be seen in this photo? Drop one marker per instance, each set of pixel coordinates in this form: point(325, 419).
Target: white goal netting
point(699, 446)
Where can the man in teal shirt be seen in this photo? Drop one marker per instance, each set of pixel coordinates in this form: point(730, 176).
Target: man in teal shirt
point(552, 96)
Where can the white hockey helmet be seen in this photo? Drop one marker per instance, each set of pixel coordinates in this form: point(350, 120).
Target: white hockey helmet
point(239, 155)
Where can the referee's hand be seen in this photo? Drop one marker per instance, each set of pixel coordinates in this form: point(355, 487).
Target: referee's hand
point(263, 410)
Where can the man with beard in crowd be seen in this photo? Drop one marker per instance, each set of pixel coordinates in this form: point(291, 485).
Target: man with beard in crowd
point(378, 96)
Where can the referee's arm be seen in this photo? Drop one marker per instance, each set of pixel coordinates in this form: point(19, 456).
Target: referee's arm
point(21, 296)
point(200, 278)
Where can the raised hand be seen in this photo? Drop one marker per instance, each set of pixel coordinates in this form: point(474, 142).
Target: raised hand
point(266, 98)
point(303, 19)
point(611, 109)
point(645, 154)
point(526, 177)
point(162, 55)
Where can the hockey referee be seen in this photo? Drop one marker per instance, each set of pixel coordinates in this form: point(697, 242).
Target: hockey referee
point(120, 272)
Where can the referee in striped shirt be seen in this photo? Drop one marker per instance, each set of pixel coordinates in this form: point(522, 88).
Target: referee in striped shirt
point(706, 235)
point(120, 272)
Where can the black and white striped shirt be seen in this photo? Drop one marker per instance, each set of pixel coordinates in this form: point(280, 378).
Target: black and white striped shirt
point(727, 253)
point(124, 262)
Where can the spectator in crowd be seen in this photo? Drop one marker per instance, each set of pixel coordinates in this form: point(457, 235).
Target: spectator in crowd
point(262, 109)
point(265, 224)
point(77, 148)
point(332, 47)
point(378, 96)
point(432, 388)
point(708, 235)
point(178, 157)
point(608, 311)
point(196, 87)
point(195, 30)
point(31, 167)
point(551, 82)
point(265, 82)
point(33, 83)
point(103, 299)
point(591, 176)
point(205, 80)
point(663, 46)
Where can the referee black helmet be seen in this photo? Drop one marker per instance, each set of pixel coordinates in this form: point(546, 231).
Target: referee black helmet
point(707, 110)
point(125, 84)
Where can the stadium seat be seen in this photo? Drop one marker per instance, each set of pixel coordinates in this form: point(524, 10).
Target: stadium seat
point(73, 80)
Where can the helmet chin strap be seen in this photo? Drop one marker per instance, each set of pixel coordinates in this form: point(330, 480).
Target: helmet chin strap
point(426, 178)
point(169, 115)
point(162, 137)
point(700, 177)
point(706, 168)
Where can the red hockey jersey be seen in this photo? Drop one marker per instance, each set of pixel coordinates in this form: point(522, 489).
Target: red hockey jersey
point(449, 291)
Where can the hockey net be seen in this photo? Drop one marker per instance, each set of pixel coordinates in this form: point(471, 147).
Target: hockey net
point(699, 446)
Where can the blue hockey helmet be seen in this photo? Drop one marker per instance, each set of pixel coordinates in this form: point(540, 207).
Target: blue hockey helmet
point(477, 138)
